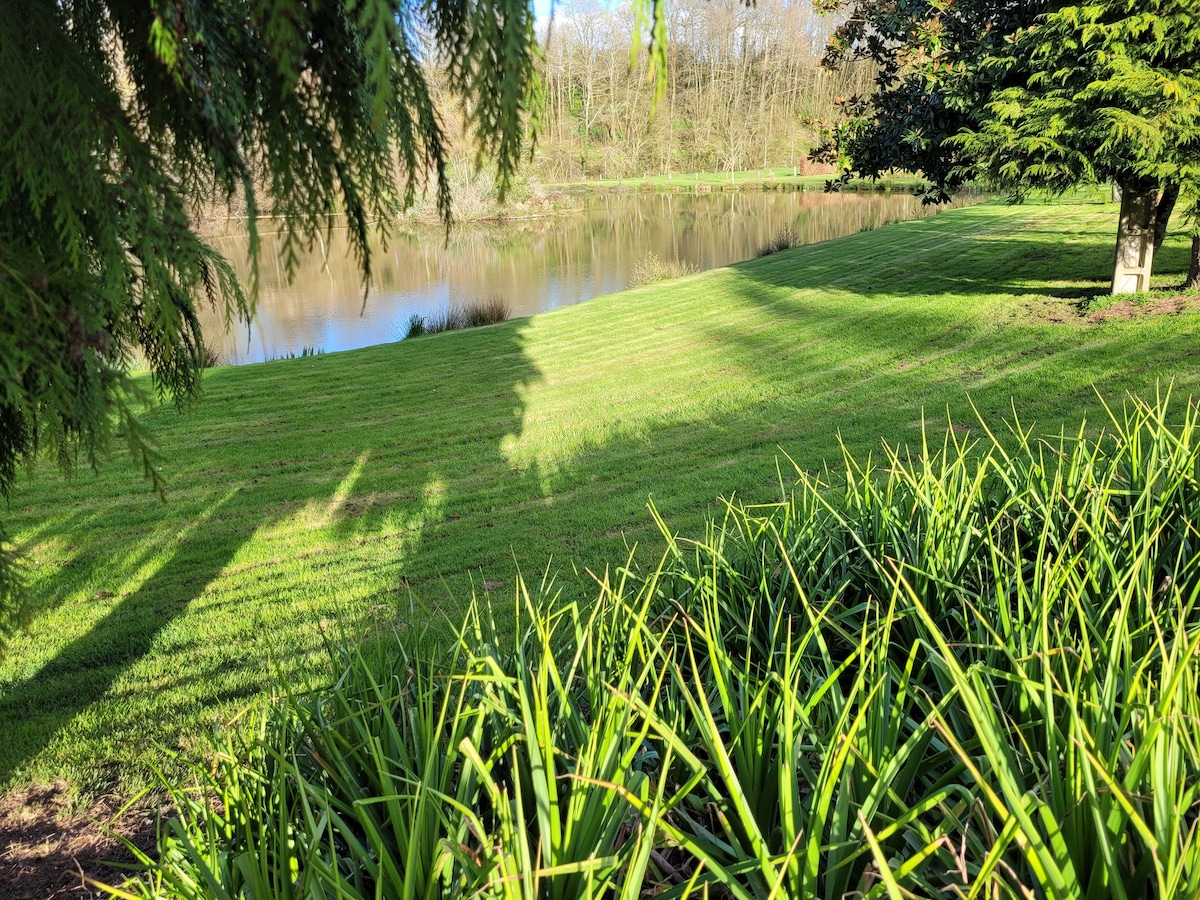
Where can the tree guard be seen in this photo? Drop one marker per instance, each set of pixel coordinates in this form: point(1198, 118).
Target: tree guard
point(1135, 243)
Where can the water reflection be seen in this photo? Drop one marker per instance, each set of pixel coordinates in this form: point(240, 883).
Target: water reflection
point(535, 264)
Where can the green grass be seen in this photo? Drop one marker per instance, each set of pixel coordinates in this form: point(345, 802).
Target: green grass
point(332, 496)
point(748, 179)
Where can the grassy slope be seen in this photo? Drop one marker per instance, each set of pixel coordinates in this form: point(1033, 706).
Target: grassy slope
point(309, 496)
point(750, 179)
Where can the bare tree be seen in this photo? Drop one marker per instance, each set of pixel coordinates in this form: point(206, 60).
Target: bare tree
point(742, 84)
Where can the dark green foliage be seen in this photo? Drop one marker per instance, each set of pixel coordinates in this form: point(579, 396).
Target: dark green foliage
point(1107, 91)
point(1050, 95)
point(930, 83)
point(1025, 95)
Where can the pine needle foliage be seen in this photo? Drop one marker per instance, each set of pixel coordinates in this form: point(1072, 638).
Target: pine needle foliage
point(119, 116)
point(1030, 94)
point(1103, 91)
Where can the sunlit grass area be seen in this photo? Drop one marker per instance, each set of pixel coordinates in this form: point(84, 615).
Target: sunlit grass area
point(329, 497)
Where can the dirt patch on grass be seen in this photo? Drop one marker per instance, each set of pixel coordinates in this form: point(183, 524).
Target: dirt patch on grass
point(45, 843)
point(1063, 310)
point(1056, 310)
point(1159, 306)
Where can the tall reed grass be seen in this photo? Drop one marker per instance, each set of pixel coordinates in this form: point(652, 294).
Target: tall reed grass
point(651, 268)
point(966, 672)
point(785, 239)
point(488, 310)
point(211, 357)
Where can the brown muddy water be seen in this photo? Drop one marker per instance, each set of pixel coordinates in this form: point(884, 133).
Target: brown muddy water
point(534, 264)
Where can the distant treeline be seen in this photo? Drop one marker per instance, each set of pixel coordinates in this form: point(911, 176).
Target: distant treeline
point(742, 84)
point(742, 81)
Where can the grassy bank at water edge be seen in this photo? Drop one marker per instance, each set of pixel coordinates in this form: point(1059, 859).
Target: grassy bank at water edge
point(336, 495)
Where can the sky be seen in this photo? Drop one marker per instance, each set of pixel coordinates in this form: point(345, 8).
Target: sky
point(541, 8)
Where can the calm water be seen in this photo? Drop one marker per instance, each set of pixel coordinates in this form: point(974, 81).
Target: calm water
point(535, 264)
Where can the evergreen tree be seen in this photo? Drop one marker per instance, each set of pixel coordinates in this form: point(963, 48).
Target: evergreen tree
point(1109, 91)
point(1031, 94)
point(119, 116)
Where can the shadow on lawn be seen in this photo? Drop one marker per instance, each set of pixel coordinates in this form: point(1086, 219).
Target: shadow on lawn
point(199, 610)
point(885, 356)
point(957, 254)
point(82, 672)
point(989, 265)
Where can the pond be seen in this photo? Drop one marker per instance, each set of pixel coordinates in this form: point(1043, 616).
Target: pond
point(535, 264)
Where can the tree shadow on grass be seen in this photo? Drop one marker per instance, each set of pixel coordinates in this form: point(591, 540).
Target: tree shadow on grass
point(300, 492)
point(37, 709)
point(819, 344)
point(1019, 332)
point(962, 263)
point(969, 253)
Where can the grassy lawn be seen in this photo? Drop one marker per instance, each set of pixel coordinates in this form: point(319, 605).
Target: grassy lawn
point(331, 496)
point(749, 179)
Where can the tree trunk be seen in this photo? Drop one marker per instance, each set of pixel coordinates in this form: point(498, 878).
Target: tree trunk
point(1135, 242)
point(1162, 214)
point(1193, 279)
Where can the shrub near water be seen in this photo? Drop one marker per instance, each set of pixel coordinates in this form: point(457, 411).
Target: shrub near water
point(650, 268)
point(486, 311)
point(972, 672)
point(785, 239)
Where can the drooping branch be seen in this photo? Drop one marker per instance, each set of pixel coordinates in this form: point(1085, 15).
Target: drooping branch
point(119, 116)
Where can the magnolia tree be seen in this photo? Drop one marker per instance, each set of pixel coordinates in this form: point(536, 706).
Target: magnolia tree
point(1047, 96)
point(930, 83)
point(120, 116)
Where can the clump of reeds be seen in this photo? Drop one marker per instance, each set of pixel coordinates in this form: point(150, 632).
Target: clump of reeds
point(306, 352)
point(650, 268)
point(415, 327)
point(480, 311)
point(211, 357)
point(488, 310)
point(785, 239)
point(969, 671)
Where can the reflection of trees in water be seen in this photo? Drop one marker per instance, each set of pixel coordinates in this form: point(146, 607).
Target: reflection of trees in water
point(535, 263)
